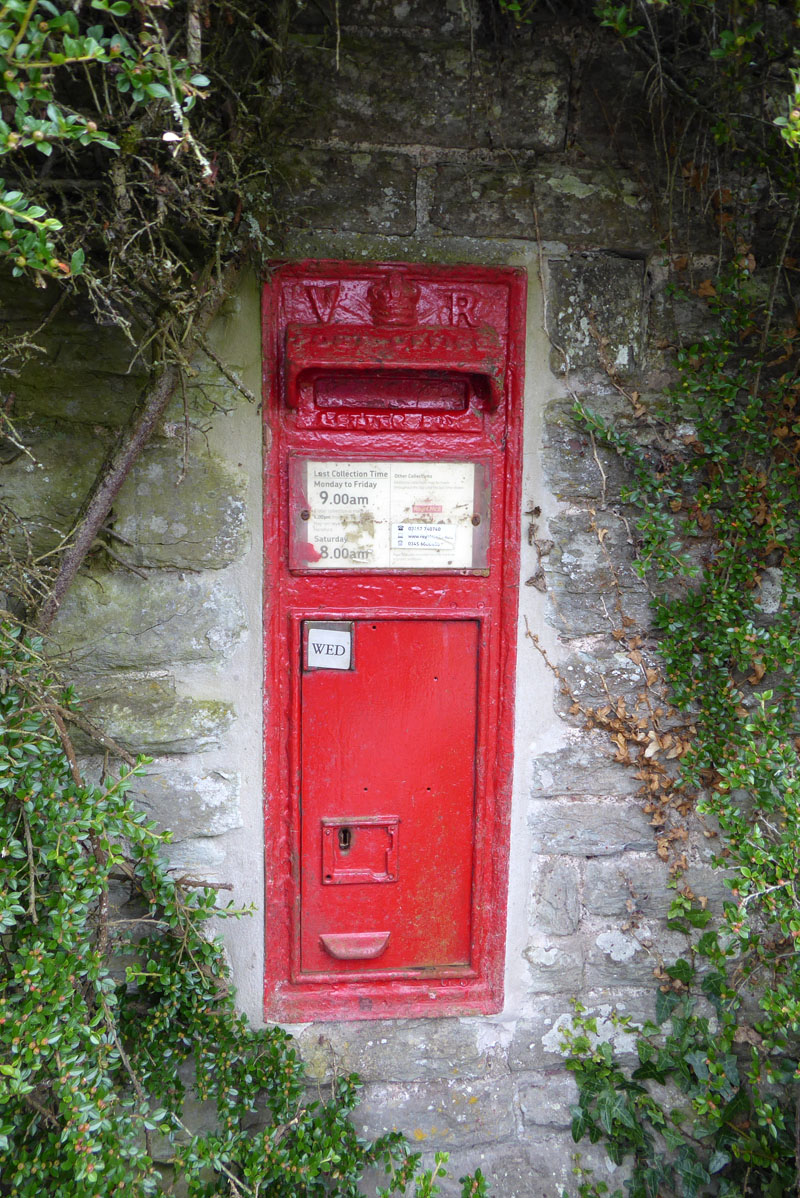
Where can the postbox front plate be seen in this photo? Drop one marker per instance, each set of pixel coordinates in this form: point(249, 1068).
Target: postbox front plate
point(393, 406)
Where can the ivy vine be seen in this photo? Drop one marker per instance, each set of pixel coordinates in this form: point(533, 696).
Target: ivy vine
point(712, 1107)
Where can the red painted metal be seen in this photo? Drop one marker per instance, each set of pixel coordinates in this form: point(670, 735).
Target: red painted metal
point(387, 784)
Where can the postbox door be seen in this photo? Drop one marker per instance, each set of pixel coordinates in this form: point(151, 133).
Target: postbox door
point(387, 801)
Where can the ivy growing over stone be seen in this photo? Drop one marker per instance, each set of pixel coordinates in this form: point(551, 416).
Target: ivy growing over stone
point(712, 1105)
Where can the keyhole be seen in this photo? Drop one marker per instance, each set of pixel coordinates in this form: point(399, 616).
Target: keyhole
point(345, 839)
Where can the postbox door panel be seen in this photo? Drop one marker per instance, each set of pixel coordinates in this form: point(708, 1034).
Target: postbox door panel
point(387, 803)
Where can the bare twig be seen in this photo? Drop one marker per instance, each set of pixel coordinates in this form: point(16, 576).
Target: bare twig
point(66, 744)
point(194, 33)
point(96, 734)
point(230, 375)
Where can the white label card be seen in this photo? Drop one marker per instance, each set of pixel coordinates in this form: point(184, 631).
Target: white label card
point(328, 648)
point(386, 515)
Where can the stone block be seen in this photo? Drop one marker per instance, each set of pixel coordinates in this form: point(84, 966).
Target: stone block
point(558, 1164)
point(145, 715)
point(555, 967)
point(613, 113)
point(117, 621)
point(527, 99)
point(591, 553)
point(586, 767)
point(47, 489)
point(582, 828)
point(536, 1043)
point(477, 200)
point(398, 92)
point(629, 958)
point(577, 614)
point(439, 1115)
point(506, 1168)
point(588, 579)
point(640, 884)
point(593, 207)
point(575, 469)
point(555, 905)
point(545, 1098)
point(208, 393)
point(594, 674)
point(191, 802)
point(405, 1050)
point(67, 384)
point(542, 1166)
point(409, 91)
point(511, 1170)
point(200, 857)
point(362, 192)
point(22, 302)
point(192, 518)
point(444, 16)
point(597, 312)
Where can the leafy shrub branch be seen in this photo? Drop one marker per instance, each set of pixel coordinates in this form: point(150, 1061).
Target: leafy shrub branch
point(117, 1015)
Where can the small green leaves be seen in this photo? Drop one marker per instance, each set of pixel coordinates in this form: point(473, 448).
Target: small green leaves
point(42, 50)
point(112, 1016)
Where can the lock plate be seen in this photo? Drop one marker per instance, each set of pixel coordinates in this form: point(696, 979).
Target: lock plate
point(359, 849)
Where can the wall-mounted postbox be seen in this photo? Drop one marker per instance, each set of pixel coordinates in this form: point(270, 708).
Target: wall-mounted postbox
point(393, 418)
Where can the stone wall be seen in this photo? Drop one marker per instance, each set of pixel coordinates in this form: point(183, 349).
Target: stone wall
point(413, 141)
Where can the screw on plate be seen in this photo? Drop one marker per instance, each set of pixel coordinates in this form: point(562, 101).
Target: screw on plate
point(476, 520)
point(305, 514)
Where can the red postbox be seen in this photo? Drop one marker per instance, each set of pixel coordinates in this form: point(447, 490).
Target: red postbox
point(393, 405)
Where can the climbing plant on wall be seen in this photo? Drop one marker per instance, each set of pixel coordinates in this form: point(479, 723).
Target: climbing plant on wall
point(712, 1107)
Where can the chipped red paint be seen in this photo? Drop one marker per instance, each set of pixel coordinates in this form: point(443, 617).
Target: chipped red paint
point(388, 785)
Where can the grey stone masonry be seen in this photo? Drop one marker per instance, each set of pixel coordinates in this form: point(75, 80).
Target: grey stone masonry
point(415, 135)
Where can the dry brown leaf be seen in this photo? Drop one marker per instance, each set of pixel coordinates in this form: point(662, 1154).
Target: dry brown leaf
point(759, 670)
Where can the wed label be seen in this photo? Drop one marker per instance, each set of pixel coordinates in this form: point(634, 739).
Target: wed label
point(387, 515)
point(328, 645)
